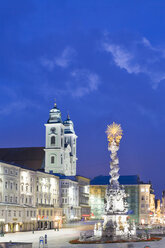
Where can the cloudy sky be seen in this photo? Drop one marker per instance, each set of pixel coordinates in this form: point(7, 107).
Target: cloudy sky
point(103, 61)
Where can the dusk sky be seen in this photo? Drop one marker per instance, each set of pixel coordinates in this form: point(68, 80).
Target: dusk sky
point(102, 61)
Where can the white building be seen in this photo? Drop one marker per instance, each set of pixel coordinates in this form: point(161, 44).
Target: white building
point(28, 199)
point(69, 189)
point(60, 147)
point(37, 199)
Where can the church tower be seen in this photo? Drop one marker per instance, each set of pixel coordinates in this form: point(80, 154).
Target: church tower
point(60, 147)
point(54, 147)
point(70, 141)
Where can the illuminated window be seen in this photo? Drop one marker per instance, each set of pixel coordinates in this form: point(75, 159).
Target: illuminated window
point(146, 189)
point(52, 159)
point(142, 189)
point(53, 140)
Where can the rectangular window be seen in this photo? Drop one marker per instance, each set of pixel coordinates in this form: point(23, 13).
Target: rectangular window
point(27, 213)
point(16, 199)
point(19, 213)
point(9, 213)
point(6, 171)
point(14, 213)
point(16, 186)
point(6, 185)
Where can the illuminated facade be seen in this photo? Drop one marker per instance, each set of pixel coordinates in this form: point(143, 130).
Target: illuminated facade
point(84, 184)
point(144, 204)
point(28, 199)
point(69, 189)
point(60, 147)
point(138, 198)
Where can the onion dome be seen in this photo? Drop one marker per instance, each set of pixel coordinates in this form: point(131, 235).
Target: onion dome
point(55, 115)
point(68, 123)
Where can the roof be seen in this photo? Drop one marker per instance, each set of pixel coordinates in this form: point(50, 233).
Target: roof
point(61, 176)
point(31, 157)
point(123, 180)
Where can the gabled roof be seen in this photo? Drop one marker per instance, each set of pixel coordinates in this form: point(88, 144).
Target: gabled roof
point(31, 157)
point(123, 180)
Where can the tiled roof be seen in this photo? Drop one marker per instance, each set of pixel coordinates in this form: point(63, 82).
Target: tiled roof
point(123, 180)
point(31, 157)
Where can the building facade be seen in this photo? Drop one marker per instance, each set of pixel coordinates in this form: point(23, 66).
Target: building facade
point(138, 197)
point(28, 199)
point(84, 185)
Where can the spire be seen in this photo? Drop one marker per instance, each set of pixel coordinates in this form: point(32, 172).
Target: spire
point(55, 104)
point(68, 117)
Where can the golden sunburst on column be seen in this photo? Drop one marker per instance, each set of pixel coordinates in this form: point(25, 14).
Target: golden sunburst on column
point(114, 133)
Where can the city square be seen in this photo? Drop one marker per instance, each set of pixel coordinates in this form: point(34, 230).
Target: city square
point(82, 124)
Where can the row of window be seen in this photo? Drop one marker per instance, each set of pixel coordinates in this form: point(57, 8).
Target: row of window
point(143, 198)
point(11, 185)
point(11, 172)
point(11, 199)
point(144, 205)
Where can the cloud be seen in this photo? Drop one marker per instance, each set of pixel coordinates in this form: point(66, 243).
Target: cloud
point(138, 57)
point(83, 83)
point(80, 82)
point(63, 60)
point(17, 105)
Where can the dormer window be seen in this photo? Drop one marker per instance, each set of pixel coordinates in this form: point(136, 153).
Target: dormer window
point(53, 140)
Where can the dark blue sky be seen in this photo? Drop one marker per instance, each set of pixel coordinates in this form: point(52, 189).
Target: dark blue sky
point(103, 61)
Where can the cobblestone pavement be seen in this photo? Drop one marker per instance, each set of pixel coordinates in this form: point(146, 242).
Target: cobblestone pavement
point(60, 239)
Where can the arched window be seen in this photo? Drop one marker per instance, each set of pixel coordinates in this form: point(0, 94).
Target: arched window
point(52, 159)
point(53, 140)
